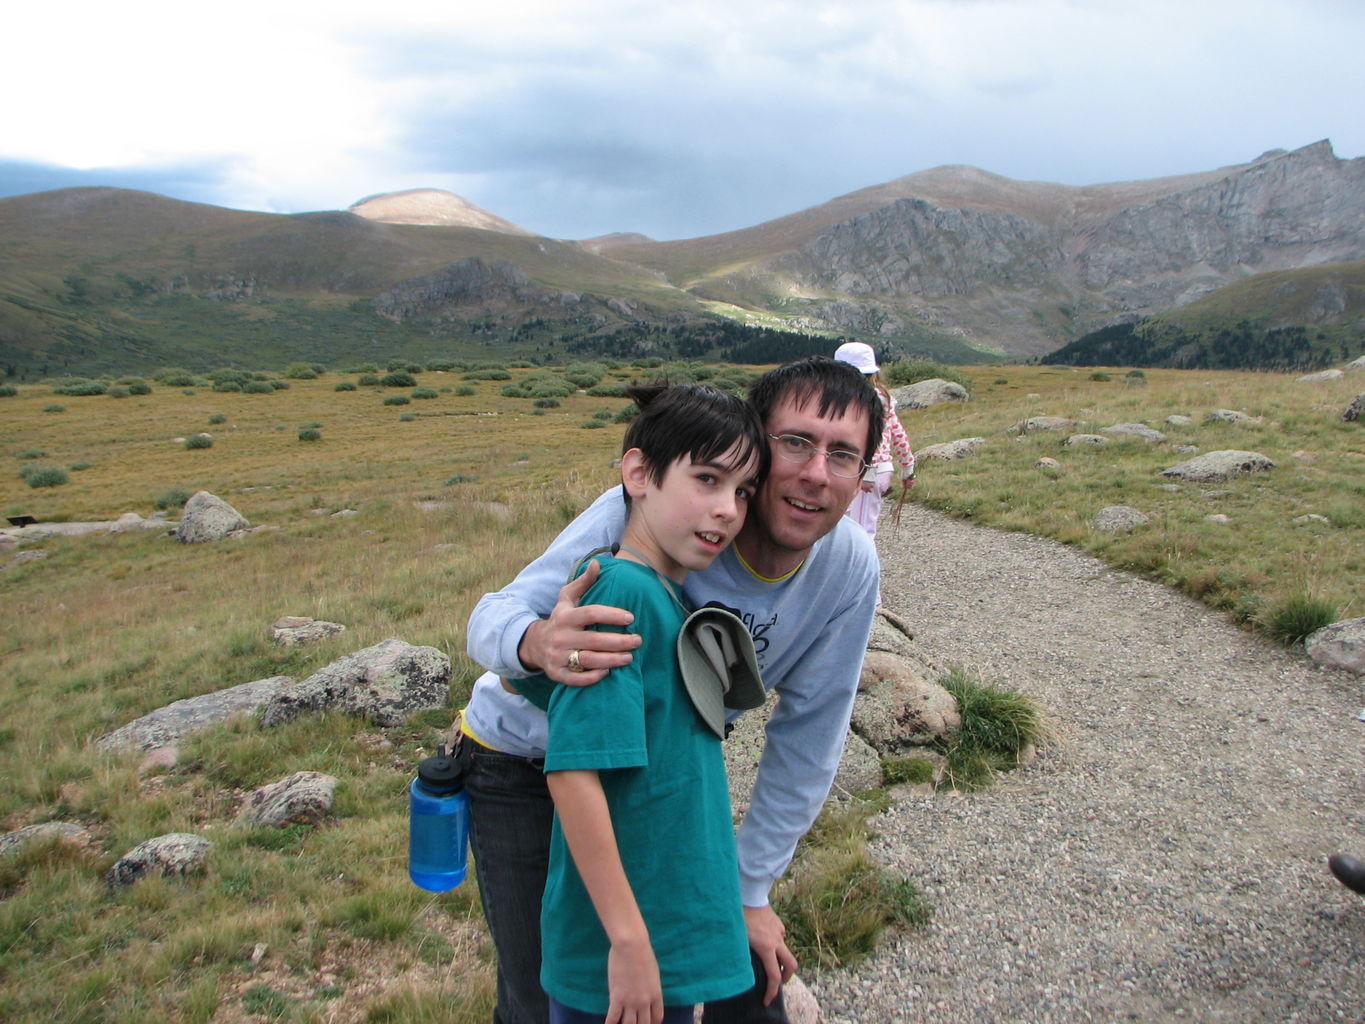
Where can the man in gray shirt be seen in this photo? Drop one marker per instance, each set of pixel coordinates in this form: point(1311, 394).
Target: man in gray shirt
point(803, 578)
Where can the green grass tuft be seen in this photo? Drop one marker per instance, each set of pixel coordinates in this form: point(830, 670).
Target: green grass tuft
point(1294, 618)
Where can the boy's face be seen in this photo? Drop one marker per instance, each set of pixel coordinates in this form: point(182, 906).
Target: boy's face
point(802, 501)
point(683, 522)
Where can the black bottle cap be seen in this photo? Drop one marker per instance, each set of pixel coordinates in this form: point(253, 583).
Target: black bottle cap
point(440, 773)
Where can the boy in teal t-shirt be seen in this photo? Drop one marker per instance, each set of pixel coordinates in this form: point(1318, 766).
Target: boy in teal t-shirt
point(641, 916)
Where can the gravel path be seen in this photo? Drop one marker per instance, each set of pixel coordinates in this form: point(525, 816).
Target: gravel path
point(1166, 860)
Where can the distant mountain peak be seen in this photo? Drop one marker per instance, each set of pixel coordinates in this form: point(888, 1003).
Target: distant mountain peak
point(433, 207)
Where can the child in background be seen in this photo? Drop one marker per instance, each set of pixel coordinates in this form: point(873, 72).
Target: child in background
point(866, 505)
point(641, 916)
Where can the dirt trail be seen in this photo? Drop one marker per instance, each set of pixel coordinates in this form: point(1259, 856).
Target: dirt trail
point(1166, 861)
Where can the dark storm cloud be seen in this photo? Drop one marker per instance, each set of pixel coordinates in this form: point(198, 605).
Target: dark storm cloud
point(194, 182)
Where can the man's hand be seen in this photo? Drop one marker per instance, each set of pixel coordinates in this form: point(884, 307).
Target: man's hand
point(768, 939)
point(547, 645)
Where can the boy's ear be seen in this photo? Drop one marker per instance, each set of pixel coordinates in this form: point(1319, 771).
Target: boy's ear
point(635, 473)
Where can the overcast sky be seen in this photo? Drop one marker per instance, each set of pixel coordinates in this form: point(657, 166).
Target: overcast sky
point(575, 118)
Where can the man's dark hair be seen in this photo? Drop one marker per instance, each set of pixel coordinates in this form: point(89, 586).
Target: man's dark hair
point(694, 420)
point(837, 386)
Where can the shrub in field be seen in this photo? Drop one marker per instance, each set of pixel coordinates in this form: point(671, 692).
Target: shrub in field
point(603, 414)
point(1293, 618)
point(627, 413)
point(310, 434)
point(218, 417)
point(997, 724)
point(344, 385)
point(465, 390)
point(546, 403)
point(300, 371)
point(593, 425)
point(117, 391)
point(225, 373)
point(911, 371)
point(541, 384)
point(54, 408)
point(362, 368)
point(81, 386)
point(584, 375)
point(608, 389)
point(227, 385)
point(398, 379)
point(44, 476)
point(175, 377)
point(139, 387)
point(396, 400)
point(441, 365)
point(1100, 375)
point(278, 385)
point(197, 441)
point(407, 417)
point(425, 393)
point(31, 453)
point(461, 478)
point(8, 391)
point(174, 498)
point(487, 373)
point(76, 467)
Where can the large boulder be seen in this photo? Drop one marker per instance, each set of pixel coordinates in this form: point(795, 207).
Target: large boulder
point(208, 518)
point(1320, 377)
point(1119, 517)
point(1220, 465)
point(297, 630)
point(950, 451)
point(384, 683)
point(897, 709)
point(47, 832)
point(1340, 645)
point(924, 393)
point(1035, 423)
point(1138, 430)
point(1355, 411)
point(303, 798)
point(1232, 416)
point(176, 853)
point(179, 718)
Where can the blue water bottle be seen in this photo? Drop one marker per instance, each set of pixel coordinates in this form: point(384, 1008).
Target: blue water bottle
point(438, 824)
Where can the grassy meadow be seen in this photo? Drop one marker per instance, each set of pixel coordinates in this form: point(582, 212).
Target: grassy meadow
point(452, 494)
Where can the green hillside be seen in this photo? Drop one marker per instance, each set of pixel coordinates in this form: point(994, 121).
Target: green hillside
point(1286, 320)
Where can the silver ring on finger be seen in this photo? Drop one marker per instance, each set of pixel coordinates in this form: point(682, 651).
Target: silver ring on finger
point(575, 661)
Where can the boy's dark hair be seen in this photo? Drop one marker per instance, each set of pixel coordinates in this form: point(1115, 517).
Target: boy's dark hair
point(836, 385)
point(694, 420)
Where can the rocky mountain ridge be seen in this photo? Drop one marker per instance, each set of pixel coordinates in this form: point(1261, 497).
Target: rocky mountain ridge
point(950, 262)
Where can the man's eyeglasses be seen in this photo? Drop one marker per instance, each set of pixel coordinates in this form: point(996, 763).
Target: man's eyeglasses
point(795, 448)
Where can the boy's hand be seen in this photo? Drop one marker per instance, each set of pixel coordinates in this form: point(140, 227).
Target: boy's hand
point(633, 980)
point(549, 645)
point(768, 939)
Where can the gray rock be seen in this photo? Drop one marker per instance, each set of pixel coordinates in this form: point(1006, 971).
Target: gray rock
point(1218, 517)
point(1138, 430)
point(208, 518)
point(1340, 645)
point(950, 451)
point(177, 853)
point(1230, 416)
point(896, 708)
point(860, 769)
point(1179, 421)
point(1118, 517)
point(1358, 363)
point(1093, 440)
point(1047, 463)
point(384, 683)
point(1036, 423)
point(182, 717)
point(304, 798)
point(294, 631)
point(48, 831)
point(1220, 465)
point(1355, 411)
point(924, 393)
point(1319, 377)
point(1185, 449)
point(1312, 517)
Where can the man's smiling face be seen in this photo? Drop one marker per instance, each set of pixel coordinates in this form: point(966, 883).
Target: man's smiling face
point(800, 502)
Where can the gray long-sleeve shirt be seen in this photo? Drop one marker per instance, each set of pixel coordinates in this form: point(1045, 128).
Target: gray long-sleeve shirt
point(810, 630)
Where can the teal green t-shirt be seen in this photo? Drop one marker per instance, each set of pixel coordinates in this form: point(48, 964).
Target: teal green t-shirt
point(664, 778)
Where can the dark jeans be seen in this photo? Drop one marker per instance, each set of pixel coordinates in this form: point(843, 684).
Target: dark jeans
point(561, 1014)
point(510, 816)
